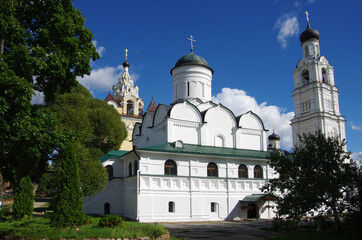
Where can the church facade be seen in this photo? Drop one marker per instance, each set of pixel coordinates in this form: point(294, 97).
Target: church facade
point(194, 160)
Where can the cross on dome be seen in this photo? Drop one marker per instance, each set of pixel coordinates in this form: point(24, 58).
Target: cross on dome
point(126, 50)
point(191, 40)
point(307, 14)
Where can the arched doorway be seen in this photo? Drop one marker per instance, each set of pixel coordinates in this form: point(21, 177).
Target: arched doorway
point(107, 208)
point(251, 210)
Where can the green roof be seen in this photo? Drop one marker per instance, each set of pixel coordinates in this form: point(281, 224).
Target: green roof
point(207, 150)
point(257, 197)
point(113, 154)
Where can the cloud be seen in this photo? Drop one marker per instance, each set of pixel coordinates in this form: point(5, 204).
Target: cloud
point(101, 79)
point(288, 26)
point(357, 157)
point(311, 1)
point(297, 4)
point(100, 49)
point(356, 127)
point(37, 98)
point(239, 102)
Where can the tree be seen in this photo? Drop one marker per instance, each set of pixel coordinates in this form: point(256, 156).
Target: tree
point(68, 208)
point(23, 199)
point(317, 177)
point(97, 128)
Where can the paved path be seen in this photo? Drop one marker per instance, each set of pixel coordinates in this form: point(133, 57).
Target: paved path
point(246, 230)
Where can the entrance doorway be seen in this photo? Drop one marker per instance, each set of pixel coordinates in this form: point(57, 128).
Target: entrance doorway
point(251, 210)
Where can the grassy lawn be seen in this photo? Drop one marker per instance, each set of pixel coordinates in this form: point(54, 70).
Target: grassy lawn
point(39, 228)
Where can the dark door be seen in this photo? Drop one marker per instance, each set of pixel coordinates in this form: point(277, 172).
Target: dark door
point(251, 210)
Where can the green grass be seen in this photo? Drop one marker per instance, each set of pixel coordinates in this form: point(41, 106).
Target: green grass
point(40, 228)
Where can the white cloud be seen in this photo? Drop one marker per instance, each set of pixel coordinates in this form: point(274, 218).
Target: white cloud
point(101, 79)
point(288, 26)
point(100, 49)
point(356, 127)
point(37, 98)
point(239, 102)
point(357, 157)
point(311, 1)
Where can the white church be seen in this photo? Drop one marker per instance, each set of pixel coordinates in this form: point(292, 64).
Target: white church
point(194, 160)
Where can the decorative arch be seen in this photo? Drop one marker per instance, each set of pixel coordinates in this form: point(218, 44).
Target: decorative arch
point(243, 171)
point(185, 111)
point(212, 170)
point(219, 140)
point(258, 171)
point(251, 120)
point(170, 167)
point(208, 114)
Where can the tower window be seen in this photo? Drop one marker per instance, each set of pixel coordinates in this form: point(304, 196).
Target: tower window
point(212, 170)
point(258, 172)
point(171, 206)
point(243, 171)
point(130, 107)
point(188, 89)
point(324, 75)
point(305, 75)
point(170, 167)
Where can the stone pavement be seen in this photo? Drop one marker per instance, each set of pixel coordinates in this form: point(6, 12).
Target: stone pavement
point(246, 230)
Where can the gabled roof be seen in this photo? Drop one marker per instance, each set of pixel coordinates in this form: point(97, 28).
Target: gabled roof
point(110, 98)
point(113, 154)
point(207, 150)
point(152, 107)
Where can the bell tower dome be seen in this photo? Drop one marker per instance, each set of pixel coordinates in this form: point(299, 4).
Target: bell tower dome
point(316, 105)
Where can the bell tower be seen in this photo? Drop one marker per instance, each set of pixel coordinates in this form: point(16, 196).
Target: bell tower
point(316, 105)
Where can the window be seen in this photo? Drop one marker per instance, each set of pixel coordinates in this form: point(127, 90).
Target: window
point(324, 75)
point(258, 172)
point(135, 167)
point(130, 169)
point(305, 75)
point(212, 170)
point(129, 107)
point(306, 49)
point(107, 208)
point(213, 207)
point(109, 169)
point(171, 206)
point(188, 89)
point(170, 167)
point(243, 171)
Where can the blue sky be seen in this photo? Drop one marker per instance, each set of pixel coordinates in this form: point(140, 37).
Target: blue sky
point(253, 47)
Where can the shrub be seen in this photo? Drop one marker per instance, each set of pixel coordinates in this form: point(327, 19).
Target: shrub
point(23, 199)
point(110, 221)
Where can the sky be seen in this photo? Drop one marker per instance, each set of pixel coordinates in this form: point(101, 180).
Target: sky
point(253, 47)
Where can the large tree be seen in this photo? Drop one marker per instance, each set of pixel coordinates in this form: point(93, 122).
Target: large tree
point(319, 177)
point(97, 128)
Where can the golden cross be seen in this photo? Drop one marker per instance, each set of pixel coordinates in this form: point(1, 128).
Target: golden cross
point(126, 53)
point(307, 14)
point(192, 40)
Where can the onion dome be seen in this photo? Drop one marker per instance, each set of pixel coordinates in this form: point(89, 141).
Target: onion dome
point(308, 34)
point(274, 137)
point(192, 59)
point(126, 63)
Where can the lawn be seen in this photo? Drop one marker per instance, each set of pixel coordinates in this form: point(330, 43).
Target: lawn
point(40, 228)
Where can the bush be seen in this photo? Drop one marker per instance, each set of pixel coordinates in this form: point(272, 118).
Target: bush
point(23, 199)
point(110, 221)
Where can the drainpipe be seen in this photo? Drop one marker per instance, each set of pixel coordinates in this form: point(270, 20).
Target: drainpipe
point(190, 188)
point(138, 192)
point(227, 190)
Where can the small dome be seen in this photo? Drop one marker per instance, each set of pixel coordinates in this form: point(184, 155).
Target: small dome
point(274, 137)
point(309, 33)
point(191, 59)
point(126, 63)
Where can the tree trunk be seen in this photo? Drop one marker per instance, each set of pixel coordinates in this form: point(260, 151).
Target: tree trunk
point(337, 222)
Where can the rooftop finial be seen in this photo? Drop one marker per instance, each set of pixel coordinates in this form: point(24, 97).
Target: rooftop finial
point(307, 14)
point(192, 40)
point(126, 50)
point(273, 127)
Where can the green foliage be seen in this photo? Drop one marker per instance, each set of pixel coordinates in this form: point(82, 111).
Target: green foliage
point(68, 209)
point(318, 177)
point(110, 221)
point(40, 228)
point(23, 199)
point(97, 128)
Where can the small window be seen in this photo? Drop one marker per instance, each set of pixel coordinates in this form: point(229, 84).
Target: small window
point(305, 75)
point(243, 171)
point(213, 207)
point(109, 169)
point(171, 206)
point(188, 89)
point(135, 167)
point(258, 172)
point(212, 170)
point(129, 107)
point(130, 169)
point(324, 76)
point(170, 167)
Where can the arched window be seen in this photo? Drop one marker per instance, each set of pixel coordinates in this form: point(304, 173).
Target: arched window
point(171, 206)
point(305, 75)
point(140, 110)
point(130, 107)
point(219, 141)
point(107, 208)
point(214, 207)
point(258, 172)
point(212, 170)
point(243, 171)
point(324, 75)
point(188, 89)
point(109, 169)
point(170, 167)
point(130, 169)
point(135, 167)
